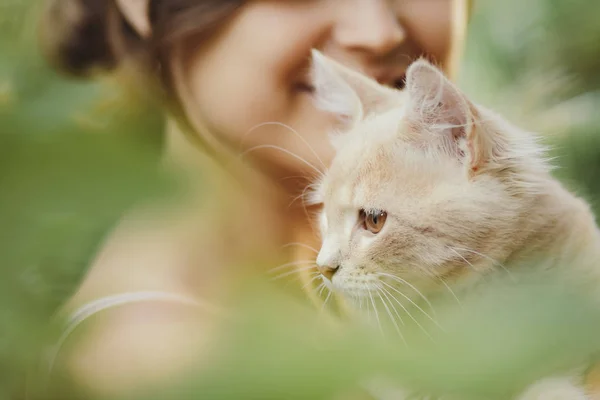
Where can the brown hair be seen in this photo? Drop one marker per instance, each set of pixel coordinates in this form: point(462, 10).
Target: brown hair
point(81, 37)
point(84, 37)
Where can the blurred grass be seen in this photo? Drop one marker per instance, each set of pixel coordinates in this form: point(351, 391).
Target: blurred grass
point(491, 347)
point(74, 156)
point(538, 63)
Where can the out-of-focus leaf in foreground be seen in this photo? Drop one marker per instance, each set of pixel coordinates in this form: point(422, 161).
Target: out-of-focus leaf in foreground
point(492, 346)
point(73, 158)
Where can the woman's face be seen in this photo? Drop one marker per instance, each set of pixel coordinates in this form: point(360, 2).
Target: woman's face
point(254, 70)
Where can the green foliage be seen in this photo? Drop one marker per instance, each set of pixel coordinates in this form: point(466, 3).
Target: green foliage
point(490, 347)
point(74, 156)
point(537, 63)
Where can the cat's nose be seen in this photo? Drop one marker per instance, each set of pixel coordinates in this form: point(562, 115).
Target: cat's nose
point(328, 258)
point(327, 270)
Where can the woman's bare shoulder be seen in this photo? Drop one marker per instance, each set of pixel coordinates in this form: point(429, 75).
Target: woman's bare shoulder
point(114, 352)
point(152, 249)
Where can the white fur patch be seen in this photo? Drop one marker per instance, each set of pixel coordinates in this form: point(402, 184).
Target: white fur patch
point(332, 93)
point(554, 389)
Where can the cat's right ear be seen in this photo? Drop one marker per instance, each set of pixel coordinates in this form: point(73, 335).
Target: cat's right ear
point(438, 109)
point(136, 13)
point(346, 93)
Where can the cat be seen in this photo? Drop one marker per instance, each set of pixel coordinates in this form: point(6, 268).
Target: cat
point(428, 187)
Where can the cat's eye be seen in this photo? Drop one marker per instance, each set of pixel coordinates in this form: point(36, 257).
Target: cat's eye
point(372, 221)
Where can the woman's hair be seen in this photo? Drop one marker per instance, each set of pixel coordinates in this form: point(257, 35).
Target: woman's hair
point(83, 36)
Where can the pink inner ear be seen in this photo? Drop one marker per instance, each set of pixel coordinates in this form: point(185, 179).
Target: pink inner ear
point(332, 93)
point(440, 112)
point(347, 93)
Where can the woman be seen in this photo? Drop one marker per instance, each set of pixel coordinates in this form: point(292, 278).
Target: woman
point(228, 67)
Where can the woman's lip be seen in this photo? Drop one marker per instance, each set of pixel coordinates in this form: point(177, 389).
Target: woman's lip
point(399, 83)
point(304, 87)
point(396, 82)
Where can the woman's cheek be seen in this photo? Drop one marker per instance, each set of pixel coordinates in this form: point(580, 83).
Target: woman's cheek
point(430, 25)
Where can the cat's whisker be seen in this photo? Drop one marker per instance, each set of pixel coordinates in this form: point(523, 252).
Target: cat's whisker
point(326, 300)
point(301, 196)
point(409, 314)
point(299, 244)
point(308, 216)
point(368, 306)
point(451, 291)
point(299, 277)
point(290, 264)
point(295, 132)
point(316, 276)
point(413, 303)
point(405, 282)
point(321, 288)
point(496, 262)
point(463, 258)
point(386, 293)
point(294, 271)
point(467, 261)
point(286, 151)
point(409, 59)
point(375, 311)
point(391, 316)
point(287, 178)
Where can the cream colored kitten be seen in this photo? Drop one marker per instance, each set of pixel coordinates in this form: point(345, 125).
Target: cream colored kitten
point(430, 189)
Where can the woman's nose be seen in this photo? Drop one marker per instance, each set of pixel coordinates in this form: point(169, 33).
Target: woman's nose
point(368, 26)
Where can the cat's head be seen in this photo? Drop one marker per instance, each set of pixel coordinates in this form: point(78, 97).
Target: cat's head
point(424, 185)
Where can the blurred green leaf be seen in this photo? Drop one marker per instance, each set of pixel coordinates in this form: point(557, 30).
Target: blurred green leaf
point(493, 345)
point(74, 156)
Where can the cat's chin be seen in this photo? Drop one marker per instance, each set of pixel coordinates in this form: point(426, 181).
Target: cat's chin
point(353, 290)
point(359, 294)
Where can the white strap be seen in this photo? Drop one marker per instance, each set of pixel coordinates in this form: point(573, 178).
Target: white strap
point(105, 303)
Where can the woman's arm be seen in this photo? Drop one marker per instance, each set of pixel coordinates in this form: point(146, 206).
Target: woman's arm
point(125, 347)
point(138, 345)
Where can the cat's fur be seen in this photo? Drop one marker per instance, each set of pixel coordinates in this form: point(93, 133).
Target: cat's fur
point(465, 192)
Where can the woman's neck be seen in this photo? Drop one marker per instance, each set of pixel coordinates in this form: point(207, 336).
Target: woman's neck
point(272, 208)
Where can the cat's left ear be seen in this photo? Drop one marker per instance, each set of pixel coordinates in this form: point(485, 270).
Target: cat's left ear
point(438, 109)
point(346, 93)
